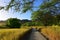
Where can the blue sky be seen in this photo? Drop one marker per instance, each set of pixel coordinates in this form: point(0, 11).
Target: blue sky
point(5, 14)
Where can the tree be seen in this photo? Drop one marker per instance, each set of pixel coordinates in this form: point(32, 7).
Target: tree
point(19, 5)
point(58, 19)
point(25, 5)
point(52, 8)
point(29, 24)
point(13, 23)
point(44, 17)
point(48, 15)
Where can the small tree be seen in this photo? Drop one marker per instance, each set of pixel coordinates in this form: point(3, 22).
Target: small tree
point(13, 23)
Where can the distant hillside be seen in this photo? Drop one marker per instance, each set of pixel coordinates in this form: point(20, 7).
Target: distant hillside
point(2, 23)
point(21, 21)
point(24, 21)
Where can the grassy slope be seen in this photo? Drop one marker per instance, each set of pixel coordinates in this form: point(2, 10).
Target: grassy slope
point(53, 33)
point(11, 34)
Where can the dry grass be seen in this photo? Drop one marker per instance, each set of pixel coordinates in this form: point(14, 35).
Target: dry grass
point(2, 23)
point(11, 34)
point(53, 33)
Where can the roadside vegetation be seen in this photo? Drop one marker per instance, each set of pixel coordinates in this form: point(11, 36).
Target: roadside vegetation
point(52, 32)
point(11, 34)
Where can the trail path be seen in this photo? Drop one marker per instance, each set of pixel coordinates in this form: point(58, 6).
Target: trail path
point(35, 35)
point(32, 34)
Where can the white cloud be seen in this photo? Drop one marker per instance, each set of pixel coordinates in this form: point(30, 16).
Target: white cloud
point(4, 15)
point(11, 14)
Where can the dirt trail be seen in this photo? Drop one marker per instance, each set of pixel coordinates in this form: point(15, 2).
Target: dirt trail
point(35, 35)
point(32, 34)
point(26, 35)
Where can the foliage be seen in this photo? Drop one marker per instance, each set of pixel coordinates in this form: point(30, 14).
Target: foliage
point(46, 18)
point(13, 23)
point(25, 5)
point(53, 7)
point(19, 5)
point(32, 24)
point(47, 14)
point(28, 24)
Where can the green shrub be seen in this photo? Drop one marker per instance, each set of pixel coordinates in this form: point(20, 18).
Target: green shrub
point(32, 24)
point(13, 23)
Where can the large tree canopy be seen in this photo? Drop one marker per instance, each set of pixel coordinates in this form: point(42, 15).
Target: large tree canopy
point(52, 6)
point(48, 13)
point(25, 5)
point(45, 18)
point(19, 5)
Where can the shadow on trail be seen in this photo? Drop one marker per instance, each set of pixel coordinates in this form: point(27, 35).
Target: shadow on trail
point(39, 30)
point(26, 35)
point(45, 36)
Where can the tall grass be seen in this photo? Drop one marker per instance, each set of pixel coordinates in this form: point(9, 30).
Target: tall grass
point(53, 33)
point(11, 34)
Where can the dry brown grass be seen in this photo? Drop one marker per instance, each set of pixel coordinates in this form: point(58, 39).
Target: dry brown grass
point(11, 34)
point(53, 33)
